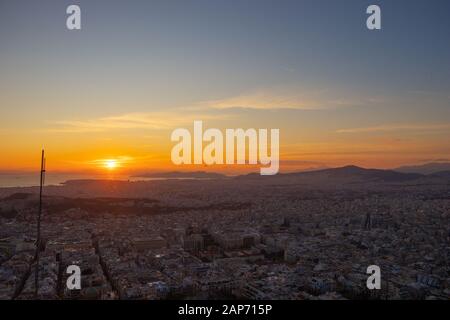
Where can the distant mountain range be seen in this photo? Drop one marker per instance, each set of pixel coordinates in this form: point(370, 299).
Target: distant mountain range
point(323, 178)
point(427, 168)
point(350, 175)
point(441, 174)
point(341, 175)
point(347, 172)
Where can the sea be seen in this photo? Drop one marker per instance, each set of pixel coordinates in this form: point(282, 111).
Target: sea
point(8, 180)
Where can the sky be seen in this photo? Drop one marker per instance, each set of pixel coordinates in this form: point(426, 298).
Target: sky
point(339, 93)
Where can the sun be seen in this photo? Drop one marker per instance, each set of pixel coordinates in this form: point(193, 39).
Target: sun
point(110, 164)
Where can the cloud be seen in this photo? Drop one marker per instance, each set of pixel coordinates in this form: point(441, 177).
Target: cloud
point(435, 160)
point(262, 100)
point(120, 159)
point(279, 100)
point(152, 120)
point(291, 98)
point(398, 127)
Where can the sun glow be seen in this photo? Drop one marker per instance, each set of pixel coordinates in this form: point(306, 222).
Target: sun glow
point(110, 164)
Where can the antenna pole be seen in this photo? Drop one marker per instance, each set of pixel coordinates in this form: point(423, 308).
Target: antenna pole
point(38, 238)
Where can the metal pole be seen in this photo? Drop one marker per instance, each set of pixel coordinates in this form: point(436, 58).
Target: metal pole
point(38, 238)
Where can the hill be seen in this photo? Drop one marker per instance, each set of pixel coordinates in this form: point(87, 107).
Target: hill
point(427, 168)
point(342, 175)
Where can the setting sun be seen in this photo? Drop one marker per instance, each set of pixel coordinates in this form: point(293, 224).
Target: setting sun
point(110, 164)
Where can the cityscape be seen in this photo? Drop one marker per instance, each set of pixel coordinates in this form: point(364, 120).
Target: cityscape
point(244, 237)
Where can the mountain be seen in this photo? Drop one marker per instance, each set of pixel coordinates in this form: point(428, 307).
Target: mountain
point(183, 175)
point(427, 168)
point(347, 174)
point(441, 174)
point(370, 174)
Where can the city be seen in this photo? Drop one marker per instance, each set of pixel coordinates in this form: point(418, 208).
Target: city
point(231, 239)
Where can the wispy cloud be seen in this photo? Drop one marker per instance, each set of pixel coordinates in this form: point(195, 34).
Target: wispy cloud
point(261, 100)
point(290, 98)
point(152, 120)
point(120, 159)
point(398, 127)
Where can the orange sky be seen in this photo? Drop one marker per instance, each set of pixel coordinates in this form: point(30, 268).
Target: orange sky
point(89, 152)
point(339, 93)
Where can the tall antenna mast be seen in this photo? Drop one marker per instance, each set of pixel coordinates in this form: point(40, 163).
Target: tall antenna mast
point(38, 238)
